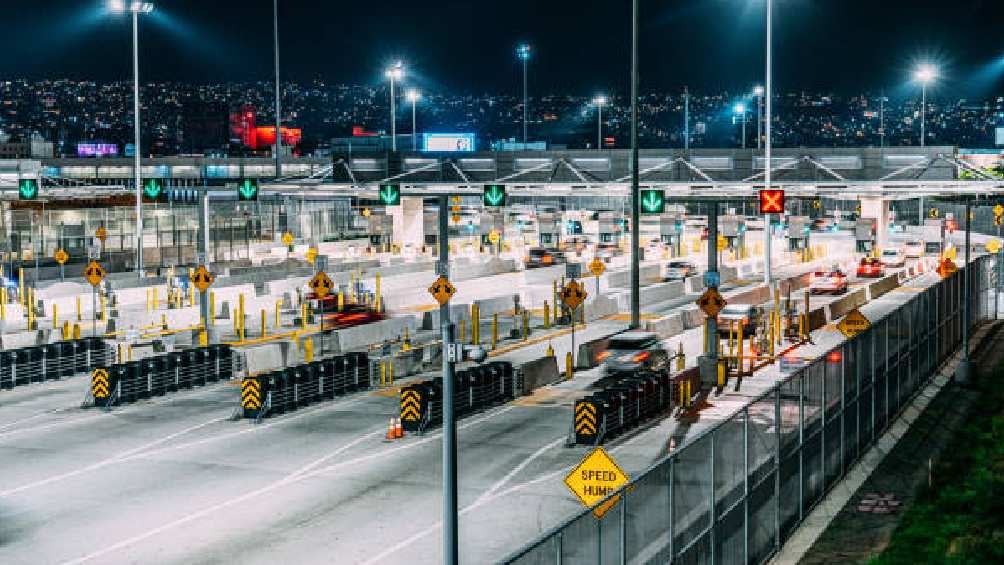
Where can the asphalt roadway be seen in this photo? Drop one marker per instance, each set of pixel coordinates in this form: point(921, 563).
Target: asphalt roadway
point(173, 480)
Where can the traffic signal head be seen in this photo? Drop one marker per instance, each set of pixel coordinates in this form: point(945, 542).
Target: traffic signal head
point(247, 190)
point(390, 194)
point(653, 201)
point(27, 189)
point(772, 201)
point(494, 195)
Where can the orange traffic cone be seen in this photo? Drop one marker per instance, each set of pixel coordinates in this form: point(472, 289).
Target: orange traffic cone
point(391, 433)
point(398, 429)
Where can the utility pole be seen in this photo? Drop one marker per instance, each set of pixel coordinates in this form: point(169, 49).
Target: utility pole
point(686, 119)
point(450, 518)
point(278, 120)
point(768, 145)
point(635, 191)
point(962, 372)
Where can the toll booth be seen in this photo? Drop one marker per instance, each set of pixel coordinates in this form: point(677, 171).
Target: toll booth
point(864, 235)
point(798, 232)
point(491, 221)
point(430, 227)
point(549, 229)
point(671, 232)
point(381, 230)
point(608, 228)
point(933, 236)
point(733, 229)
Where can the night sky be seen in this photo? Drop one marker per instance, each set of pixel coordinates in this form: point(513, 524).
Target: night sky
point(580, 47)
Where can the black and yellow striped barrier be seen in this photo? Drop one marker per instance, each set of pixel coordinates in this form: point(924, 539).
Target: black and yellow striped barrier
point(586, 422)
point(101, 386)
point(252, 397)
point(411, 409)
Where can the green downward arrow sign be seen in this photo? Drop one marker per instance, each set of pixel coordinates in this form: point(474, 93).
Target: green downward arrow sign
point(652, 201)
point(248, 190)
point(494, 195)
point(390, 194)
point(152, 188)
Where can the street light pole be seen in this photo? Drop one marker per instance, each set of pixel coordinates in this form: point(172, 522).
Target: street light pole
point(686, 119)
point(413, 96)
point(599, 102)
point(136, 143)
point(923, 113)
point(278, 121)
point(393, 116)
point(768, 146)
point(635, 191)
point(523, 54)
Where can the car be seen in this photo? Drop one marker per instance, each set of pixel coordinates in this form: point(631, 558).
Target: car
point(893, 257)
point(833, 281)
point(350, 316)
point(606, 251)
point(822, 224)
point(914, 249)
point(732, 315)
point(870, 267)
point(754, 222)
point(540, 257)
point(633, 351)
point(576, 244)
point(679, 270)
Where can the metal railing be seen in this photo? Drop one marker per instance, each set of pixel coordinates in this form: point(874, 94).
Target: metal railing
point(738, 491)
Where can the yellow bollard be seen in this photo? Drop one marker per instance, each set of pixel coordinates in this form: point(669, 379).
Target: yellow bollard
point(264, 322)
point(475, 325)
point(463, 330)
point(308, 350)
point(495, 331)
point(21, 295)
point(212, 308)
point(303, 315)
point(55, 317)
point(554, 296)
point(155, 301)
point(739, 339)
point(406, 341)
point(681, 359)
point(278, 314)
point(76, 331)
point(569, 368)
point(721, 372)
point(203, 338)
point(240, 312)
point(390, 372)
point(130, 353)
point(550, 350)
point(3, 304)
point(66, 330)
point(341, 301)
point(163, 321)
point(80, 315)
point(120, 352)
point(547, 316)
point(383, 373)
point(526, 325)
point(191, 295)
point(707, 337)
point(378, 301)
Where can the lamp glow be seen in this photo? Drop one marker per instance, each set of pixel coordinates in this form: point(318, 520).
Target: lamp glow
point(926, 73)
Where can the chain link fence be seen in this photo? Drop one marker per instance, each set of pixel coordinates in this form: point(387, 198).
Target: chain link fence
point(737, 492)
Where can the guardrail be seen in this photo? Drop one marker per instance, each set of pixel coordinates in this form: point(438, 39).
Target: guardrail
point(735, 493)
point(476, 388)
point(52, 361)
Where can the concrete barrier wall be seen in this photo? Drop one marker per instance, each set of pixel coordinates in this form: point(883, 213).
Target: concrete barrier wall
point(264, 358)
point(62, 290)
point(648, 274)
point(667, 326)
point(817, 318)
point(544, 275)
point(840, 307)
point(127, 296)
point(22, 339)
point(692, 318)
point(360, 337)
point(538, 373)
point(600, 307)
point(882, 287)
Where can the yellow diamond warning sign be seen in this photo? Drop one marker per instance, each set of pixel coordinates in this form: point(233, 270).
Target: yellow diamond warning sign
point(94, 273)
point(442, 290)
point(573, 295)
point(202, 278)
point(321, 284)
point(853, 323)
point(61, 256)
point(597, 267)
point(595, 478)
point(287, 239)
point(711, 302)
point(101, 234)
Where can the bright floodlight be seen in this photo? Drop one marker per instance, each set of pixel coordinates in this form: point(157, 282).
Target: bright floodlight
point(117, 6)
point(412, 95)
point(758, 90)
point(523, 52)
point(926, 73)
point(396, 72)
point(141, 7)
point(600, 100)
point(121, 6)
point(740, 108)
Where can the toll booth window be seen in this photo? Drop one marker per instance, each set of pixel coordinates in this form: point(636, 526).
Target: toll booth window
point(546, 238)
point(606, 238)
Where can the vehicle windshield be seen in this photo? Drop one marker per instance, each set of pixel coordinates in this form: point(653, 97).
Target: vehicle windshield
point(629, 343)
point(679, 265)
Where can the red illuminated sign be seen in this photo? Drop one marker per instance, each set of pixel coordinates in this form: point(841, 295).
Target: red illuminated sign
point(771, 201)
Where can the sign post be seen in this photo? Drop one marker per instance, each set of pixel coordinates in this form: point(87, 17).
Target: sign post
point(61, 257)
point(94, 274)
point(203, 279)
point(572, 296)
point(597, 267)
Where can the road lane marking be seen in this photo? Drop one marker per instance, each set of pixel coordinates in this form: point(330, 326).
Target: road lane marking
point(519, 468)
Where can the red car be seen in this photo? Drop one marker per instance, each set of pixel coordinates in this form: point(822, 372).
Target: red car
point(871, 267)
point(351, 315)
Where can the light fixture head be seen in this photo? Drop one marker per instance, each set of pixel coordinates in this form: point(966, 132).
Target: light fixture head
point(523, 52)
point(396, 71)
point(600, 100)
point(758, 90)
point(413, 95)
point(926, 73)
point(739, 108)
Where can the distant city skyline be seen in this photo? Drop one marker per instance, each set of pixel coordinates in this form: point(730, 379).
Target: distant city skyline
point(842, 47)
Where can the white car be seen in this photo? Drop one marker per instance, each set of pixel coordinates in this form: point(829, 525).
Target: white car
point(833, 281)
point(914, 249)
point(893, 257)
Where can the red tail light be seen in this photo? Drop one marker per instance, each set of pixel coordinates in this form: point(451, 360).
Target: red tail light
point(639, 357)
point(834, 357)
point(602, 355)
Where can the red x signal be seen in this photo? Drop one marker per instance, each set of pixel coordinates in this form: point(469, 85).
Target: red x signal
point(772, 202)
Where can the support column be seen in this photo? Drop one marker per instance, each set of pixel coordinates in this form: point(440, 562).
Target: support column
point(708, 363)
point(877, 209)
point(409, 221)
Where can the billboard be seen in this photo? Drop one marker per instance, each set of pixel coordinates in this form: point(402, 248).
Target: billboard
point(448, 142)
point(97, 150)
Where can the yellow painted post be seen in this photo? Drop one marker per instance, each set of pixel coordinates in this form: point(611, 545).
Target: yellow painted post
point(104, 309)
point(770, 332)
point(3, 304)
point(303, 315)
point(130, 352)
point(707, 338)
point(739, 340)
point(76, 331)
point(55, 316)
point(155, 301)
point(547, 316)
point(721, 372)
point(203, 338)
point(463, 330)
point(554, 295)
point(378, 301)
point(390, 372)
point(383, 373)
point(341, 301)
point(278, 314)
point(569, 369)
point(264, 322)
point(550, 350)
point(681, 359)
point(163, 321)
point(212, 309)
point(191, 295)
point(118, 352)
point(475, 325)
point(495, 330)
point(80, 315)
point(21, 296)
point(66, 330)
point(732, 331)
point(525, 319)
point(406, 340)
point(308, 350)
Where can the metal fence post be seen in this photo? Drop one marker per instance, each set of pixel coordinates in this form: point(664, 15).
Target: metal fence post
point(623, 532)
point(777, 468)
point(557, 548)
point(599, 542)
point(711, 497)
point(801, 444)
point(746, 484)
point(672, 524)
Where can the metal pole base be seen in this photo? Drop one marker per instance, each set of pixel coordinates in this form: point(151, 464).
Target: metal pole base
point(962, 372)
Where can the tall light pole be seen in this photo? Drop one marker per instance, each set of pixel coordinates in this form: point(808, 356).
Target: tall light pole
point(925, 74)
point(278, 121)
point(395, 73)
point(768, 145)
point(758, 92)
point(740, 110)
point(686, 119)
point(600, 101)
point(523, 54)
point(135, 9)
point(413, 95)
point(635, 189)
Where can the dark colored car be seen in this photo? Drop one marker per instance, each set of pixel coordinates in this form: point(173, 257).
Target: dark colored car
point(871, 267)
point(630, 352)
point(540, 257)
